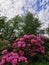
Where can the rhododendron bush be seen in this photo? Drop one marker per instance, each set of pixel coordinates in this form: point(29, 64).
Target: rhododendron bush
point(22, 48)
point(30, 44)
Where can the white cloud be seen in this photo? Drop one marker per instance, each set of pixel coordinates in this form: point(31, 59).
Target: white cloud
point(10, 8)
point(44, 17)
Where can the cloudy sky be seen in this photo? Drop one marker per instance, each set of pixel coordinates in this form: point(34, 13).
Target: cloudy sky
point(40, 8)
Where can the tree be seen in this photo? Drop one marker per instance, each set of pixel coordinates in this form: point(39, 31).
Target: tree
point(31, 24)
point(10, 27)
point(2, 24)
point(47, 30)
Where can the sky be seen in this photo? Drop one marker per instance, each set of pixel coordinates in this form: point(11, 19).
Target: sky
point(40, 8)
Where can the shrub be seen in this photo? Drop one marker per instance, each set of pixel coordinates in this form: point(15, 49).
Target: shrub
point(23, 49)
point(31, 45)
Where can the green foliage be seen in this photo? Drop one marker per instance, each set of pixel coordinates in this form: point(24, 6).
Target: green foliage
point(9, 28)
point(21, 63)
point(31, 24)
point(46, 56)
point(8, 63)
point(2, 21)
point(47, 30)
point(3, 44)
point(18, 26)
point(33, 63)
point(2, 24)
point(39, 63)
point(7, 31)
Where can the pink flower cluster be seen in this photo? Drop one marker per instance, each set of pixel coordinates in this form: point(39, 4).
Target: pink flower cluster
point(12, 57)
point(30, 43)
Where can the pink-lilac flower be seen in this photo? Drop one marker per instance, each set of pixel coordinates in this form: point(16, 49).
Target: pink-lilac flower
point(4, 51)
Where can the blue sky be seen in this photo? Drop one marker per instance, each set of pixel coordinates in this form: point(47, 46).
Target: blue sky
point(40, 8)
